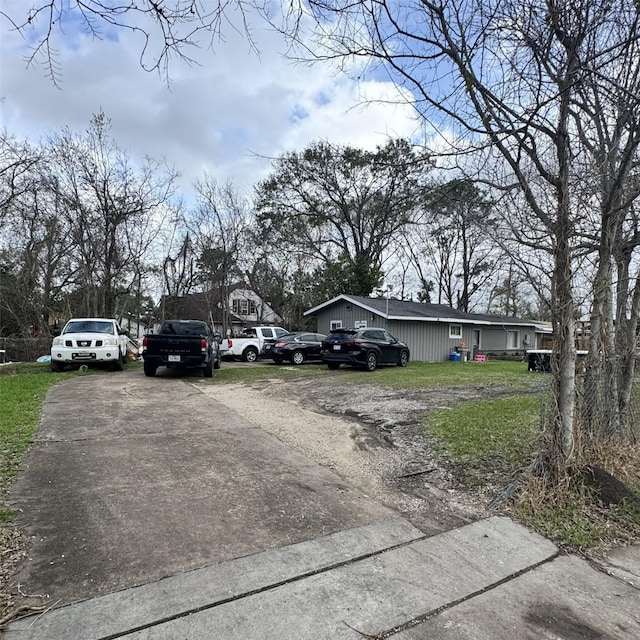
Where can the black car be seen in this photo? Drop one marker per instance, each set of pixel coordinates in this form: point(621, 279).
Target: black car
point(297, 348)
point(364, 348)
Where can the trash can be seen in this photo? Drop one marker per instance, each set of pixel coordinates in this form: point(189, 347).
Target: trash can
point(454, 356)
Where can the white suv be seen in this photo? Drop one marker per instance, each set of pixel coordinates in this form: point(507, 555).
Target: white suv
point(89, 341)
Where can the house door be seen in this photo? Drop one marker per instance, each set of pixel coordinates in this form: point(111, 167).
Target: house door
point(476, 342)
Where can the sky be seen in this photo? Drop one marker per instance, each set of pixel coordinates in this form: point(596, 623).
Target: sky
point(226, 115)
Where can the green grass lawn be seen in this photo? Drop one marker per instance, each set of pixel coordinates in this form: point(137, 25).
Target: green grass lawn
point(415, 376)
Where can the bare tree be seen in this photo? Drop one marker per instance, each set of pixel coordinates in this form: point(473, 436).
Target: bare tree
point(112, 211)
point(18, 161)
point(218, 226)
point(165, 28)
point(455, 236)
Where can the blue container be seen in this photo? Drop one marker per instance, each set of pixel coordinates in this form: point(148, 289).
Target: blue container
point(454, 356)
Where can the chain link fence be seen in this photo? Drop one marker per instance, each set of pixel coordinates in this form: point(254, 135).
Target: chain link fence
point(605, 408)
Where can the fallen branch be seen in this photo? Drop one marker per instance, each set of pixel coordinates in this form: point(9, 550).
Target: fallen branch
point(416, 473)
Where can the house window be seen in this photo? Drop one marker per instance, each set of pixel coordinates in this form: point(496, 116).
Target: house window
point(455, 331)
point(512, 339)
point(335, 324)
point(360, 324)
point(243, 307)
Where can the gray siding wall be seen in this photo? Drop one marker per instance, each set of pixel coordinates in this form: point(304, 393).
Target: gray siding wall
point(496, 338)
point(349, 314)
point(428, 341)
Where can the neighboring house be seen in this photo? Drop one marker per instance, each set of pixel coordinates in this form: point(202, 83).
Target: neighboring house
point(431, 331)
point(241, 308)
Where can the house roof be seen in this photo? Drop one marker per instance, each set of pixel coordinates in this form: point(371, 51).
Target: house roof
point(203, 305)
point(393, 309)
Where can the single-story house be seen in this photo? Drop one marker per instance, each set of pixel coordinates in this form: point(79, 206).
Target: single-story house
point(228, 312)
point(432, 331)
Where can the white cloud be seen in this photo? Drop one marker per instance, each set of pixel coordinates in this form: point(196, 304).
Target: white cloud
point(224, 117)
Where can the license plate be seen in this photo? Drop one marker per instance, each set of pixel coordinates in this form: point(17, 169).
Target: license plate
point(83, 355)
point(174, 358)
point(336, 347)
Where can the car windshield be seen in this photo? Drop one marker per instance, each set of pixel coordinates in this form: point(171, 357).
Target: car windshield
point(89, 326)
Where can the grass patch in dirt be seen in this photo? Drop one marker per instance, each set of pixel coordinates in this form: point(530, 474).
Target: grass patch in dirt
point(495, 435)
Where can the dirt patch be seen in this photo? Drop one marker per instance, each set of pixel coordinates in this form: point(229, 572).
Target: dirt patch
point(373, 437)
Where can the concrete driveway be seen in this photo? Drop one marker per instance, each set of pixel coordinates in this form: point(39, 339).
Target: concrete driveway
point(132, 479)
point(159, 513)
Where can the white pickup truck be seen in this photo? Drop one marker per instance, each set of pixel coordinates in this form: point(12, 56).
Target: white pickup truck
point(89, 341)
point(251, 343)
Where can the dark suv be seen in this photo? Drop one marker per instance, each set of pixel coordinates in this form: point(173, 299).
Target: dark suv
point(364, 348)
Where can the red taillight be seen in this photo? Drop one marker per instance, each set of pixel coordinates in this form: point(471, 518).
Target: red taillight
point(203, 344)
point(280, 344)
point(144, 341)
point(230, 343)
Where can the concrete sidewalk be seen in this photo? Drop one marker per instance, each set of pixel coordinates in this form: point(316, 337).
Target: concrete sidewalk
point(491, 579)
point(160, 514)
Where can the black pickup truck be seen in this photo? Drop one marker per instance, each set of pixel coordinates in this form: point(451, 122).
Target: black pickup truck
point(181, 344)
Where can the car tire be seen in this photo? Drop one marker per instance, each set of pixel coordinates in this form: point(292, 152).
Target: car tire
point(371, 362)
point(217, 363)
point(404, 359)
point(208, 369)
point(297, 357)
point(250, 354)
point(149, 370)
point(56, 366)
point(333, 365)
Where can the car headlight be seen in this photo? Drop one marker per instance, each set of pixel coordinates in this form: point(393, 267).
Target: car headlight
point(57, 342)
point(110, 342)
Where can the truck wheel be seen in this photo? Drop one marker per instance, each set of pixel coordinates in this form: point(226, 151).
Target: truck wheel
point(149, 370)
point(117, 364)
point(297, 357)
point(208, 369)
point(250, 354)
point(371, 362)
point(217, 363)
